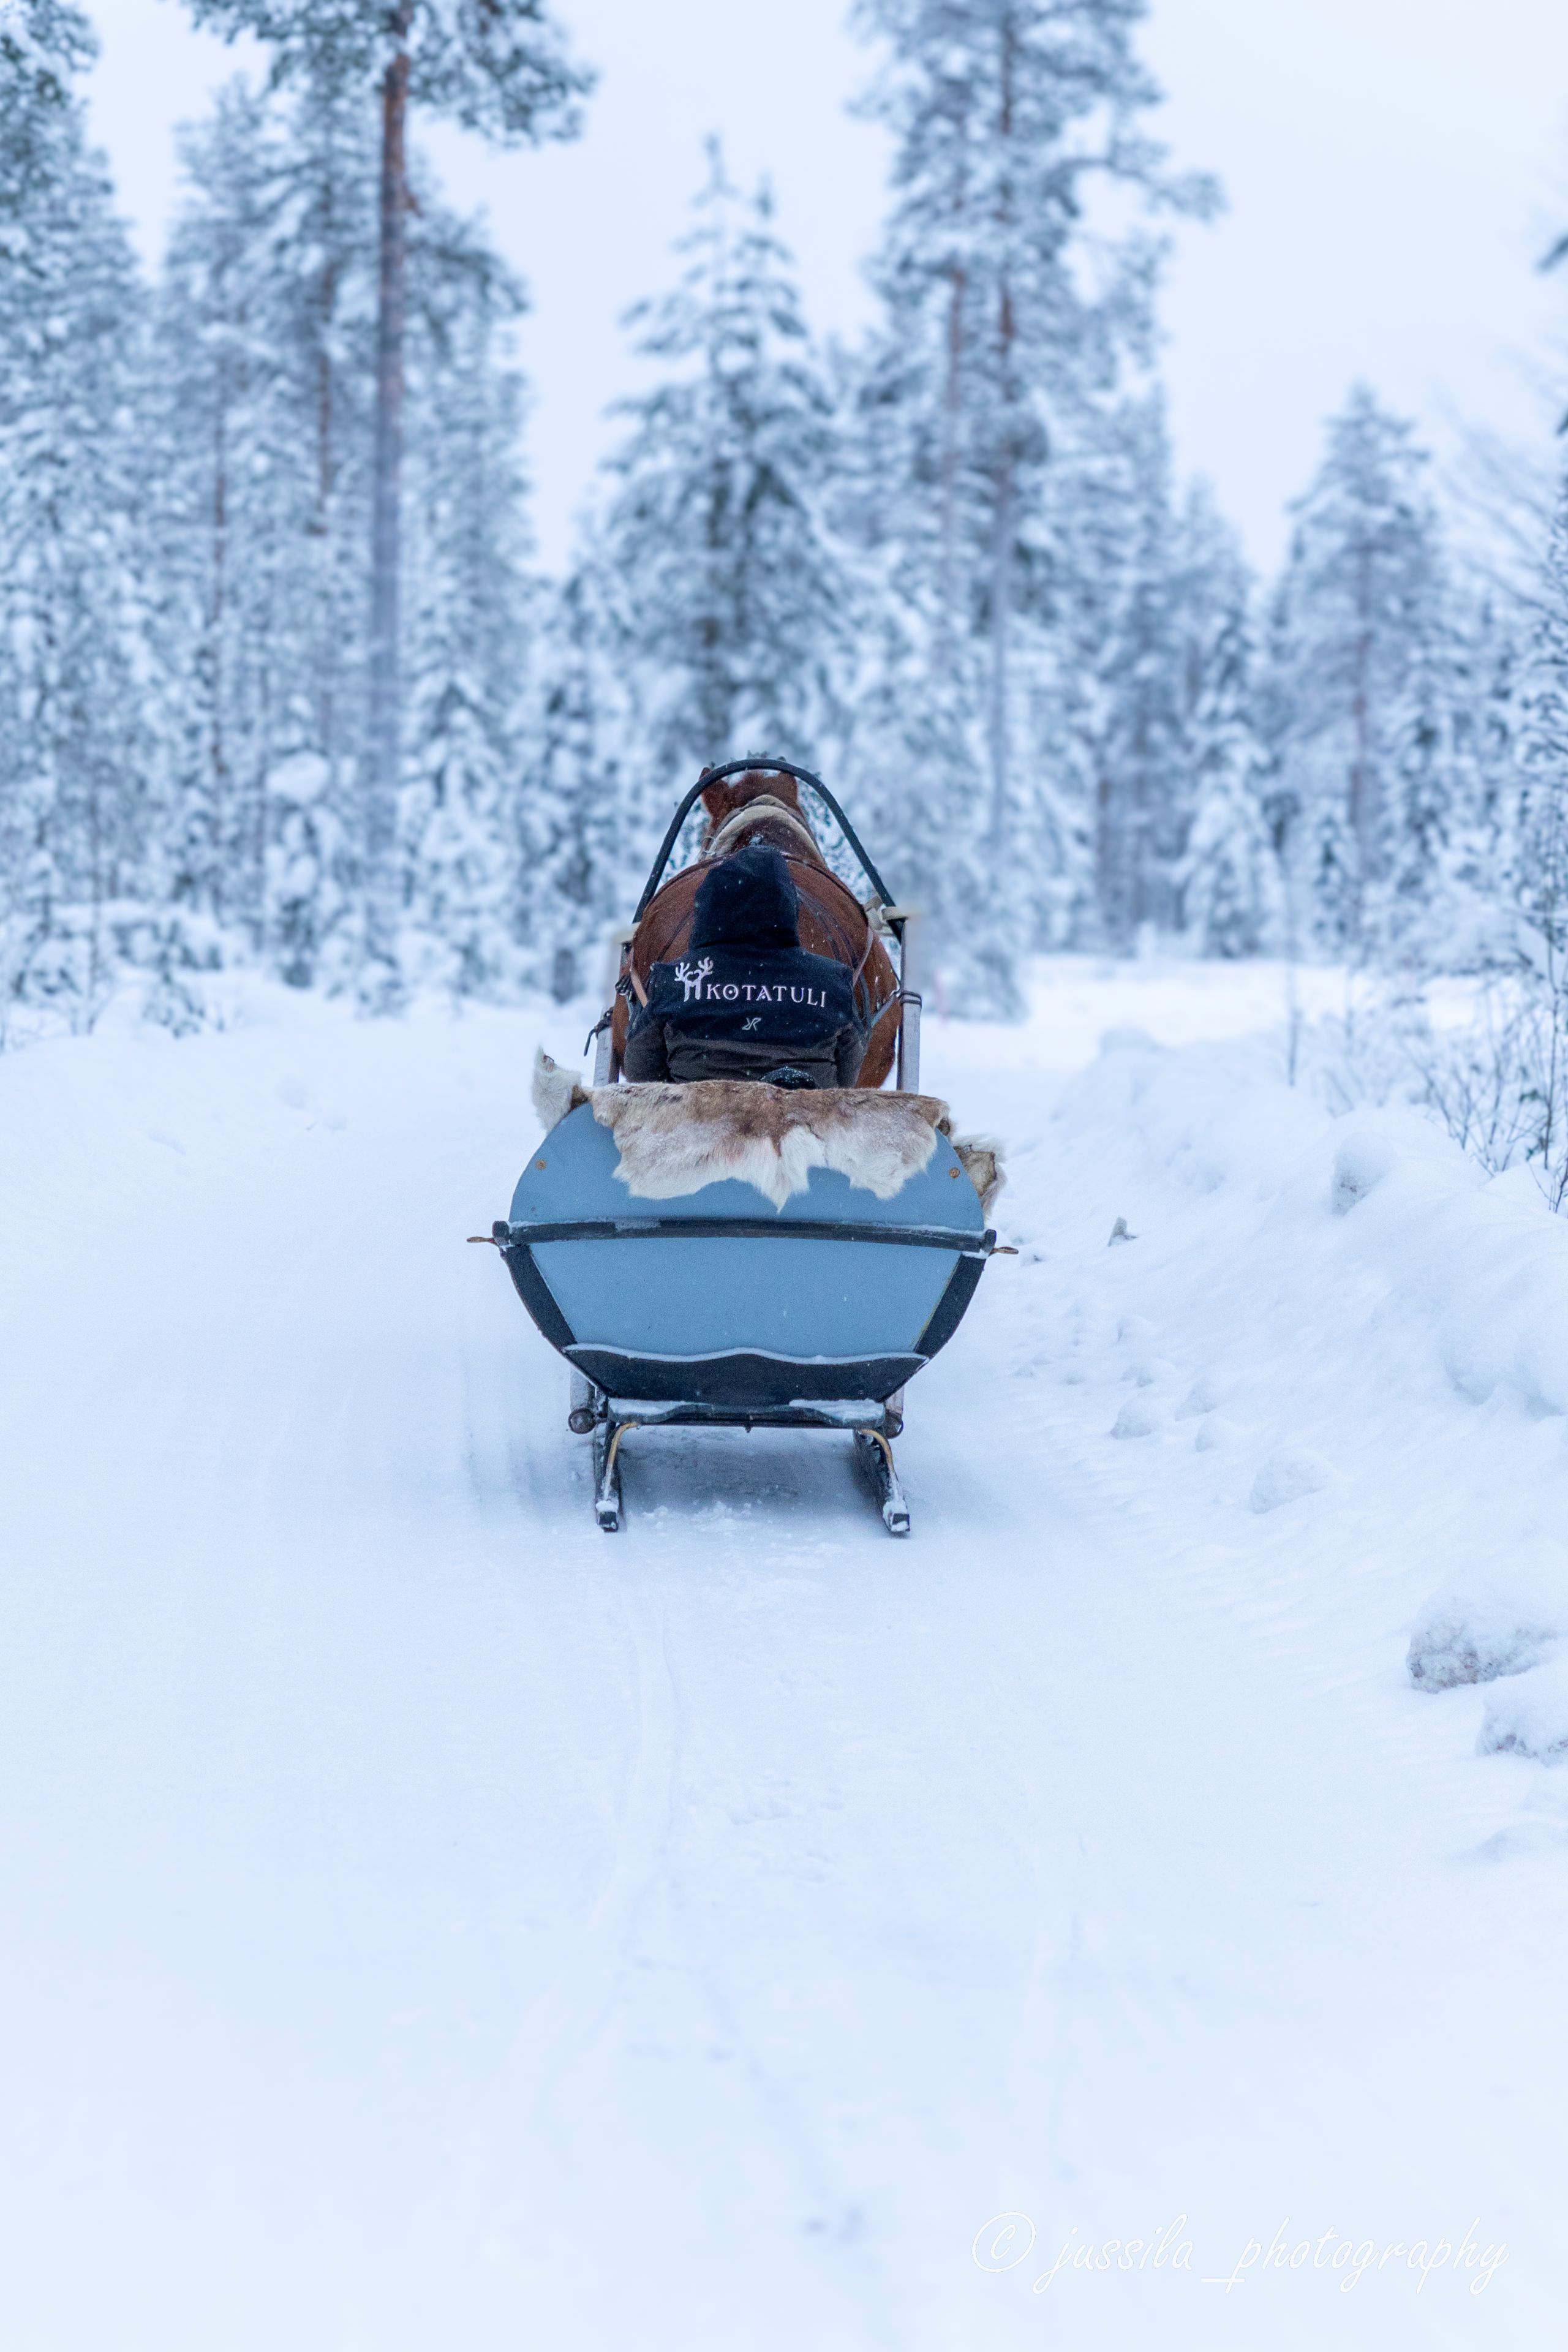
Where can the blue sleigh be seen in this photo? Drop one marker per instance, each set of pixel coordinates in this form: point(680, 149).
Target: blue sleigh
point(716, 1307)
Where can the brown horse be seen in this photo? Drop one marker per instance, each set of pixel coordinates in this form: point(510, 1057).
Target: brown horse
point(763, 807)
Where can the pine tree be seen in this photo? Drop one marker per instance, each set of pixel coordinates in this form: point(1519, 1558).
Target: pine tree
point(1126, 594)
point(218, 423)
point(731, 603)
point(1362, 596)
point(1499, 723)
point(1423, 912)
point(499, 70)
point(1541, 825)
point(1001, 340)
point(79, 816)
point(468, 629)
point(1228, 876)
point(583, 857)
point(259, 413)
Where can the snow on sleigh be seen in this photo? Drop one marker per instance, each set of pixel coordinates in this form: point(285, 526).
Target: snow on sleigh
point(732, 1253)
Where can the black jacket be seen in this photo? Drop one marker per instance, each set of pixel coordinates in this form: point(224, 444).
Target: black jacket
point(747, 1001)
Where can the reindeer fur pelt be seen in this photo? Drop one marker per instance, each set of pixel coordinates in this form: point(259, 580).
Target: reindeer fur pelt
point(674, 1139)
point(555, 1090)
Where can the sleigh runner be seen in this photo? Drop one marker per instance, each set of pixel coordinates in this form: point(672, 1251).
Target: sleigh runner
point(735, 1252)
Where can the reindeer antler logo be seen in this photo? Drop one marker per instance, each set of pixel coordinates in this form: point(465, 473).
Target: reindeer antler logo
point(690, 980)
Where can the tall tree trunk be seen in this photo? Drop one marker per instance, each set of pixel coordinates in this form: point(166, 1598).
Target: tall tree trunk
point(1361, 780)
point(328, 649)
point(380, 981)
point(1361, 783)
point(952, 426)
point(210, 883)
point(1001, 614)
point(715, 697)
point(1005, 522)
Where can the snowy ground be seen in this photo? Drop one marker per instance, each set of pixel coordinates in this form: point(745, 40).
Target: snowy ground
point(431, 1924)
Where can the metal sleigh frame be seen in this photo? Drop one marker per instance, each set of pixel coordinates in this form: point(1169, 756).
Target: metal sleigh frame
point(594, 1411)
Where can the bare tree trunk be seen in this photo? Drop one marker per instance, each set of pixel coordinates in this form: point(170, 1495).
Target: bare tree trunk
point(1106, 880)
point(218, 617)
point(328, 652)
point(1005, 521)
point(1001, 614)
point(715, 695)
point(95, 885)
point(322, 521)
point(1361, 760)
point(952, 406)
point(379, 983)
point(1361, 809)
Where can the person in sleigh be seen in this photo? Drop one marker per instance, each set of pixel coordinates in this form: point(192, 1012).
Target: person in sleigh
point(747, 1001)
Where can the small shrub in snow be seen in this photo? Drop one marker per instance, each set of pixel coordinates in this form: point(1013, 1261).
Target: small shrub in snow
point(1500, 1620)
point(1287, 1476)
point(1358, 1166)
point(1529, 1718)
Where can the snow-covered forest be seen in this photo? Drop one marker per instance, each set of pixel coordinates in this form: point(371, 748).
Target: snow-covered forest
point(1130, 1912)
point(948, 567)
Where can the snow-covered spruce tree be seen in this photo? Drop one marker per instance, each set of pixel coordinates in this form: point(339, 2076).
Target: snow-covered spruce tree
point(261, 372)
point(1228, 876)
point(583, 861)
point(1433, 906)
point(258, 412)
point(730, 605)
point(500, 69)
point(1150, 699)
point(1490, 860)
point(1502, 1087)
point(1362, 596)
point(1541, 875)
point(261, 408)
point(1009, 319)
point(204, 417)
point(78, 818)
point(1121, 611)
point(468, 625)
point(1541, 824)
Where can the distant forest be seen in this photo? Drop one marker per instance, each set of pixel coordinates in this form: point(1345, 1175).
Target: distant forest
point(282, 685)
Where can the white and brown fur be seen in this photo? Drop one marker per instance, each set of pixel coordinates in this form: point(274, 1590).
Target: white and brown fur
point(673, 1139)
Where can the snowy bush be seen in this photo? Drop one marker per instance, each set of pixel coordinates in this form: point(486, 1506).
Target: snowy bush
point(1287, 1476)
point(1531, 1718)
point(1136, 1419)
point(1503, 1618)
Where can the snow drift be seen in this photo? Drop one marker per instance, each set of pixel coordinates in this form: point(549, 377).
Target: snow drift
point(1337, 1274)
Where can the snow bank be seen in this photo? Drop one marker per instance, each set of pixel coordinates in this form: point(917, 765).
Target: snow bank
point(1482, 1265)
point(1347, 1287)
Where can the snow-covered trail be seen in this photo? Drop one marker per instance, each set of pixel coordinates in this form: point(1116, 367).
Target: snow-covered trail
point(433, 1923)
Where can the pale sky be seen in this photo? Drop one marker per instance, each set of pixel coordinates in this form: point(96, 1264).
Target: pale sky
point(1394, 168)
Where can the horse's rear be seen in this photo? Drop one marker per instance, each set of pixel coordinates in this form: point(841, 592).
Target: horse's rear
point(764, 806)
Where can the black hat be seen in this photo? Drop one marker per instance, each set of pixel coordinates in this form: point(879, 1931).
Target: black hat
point(748, 901)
